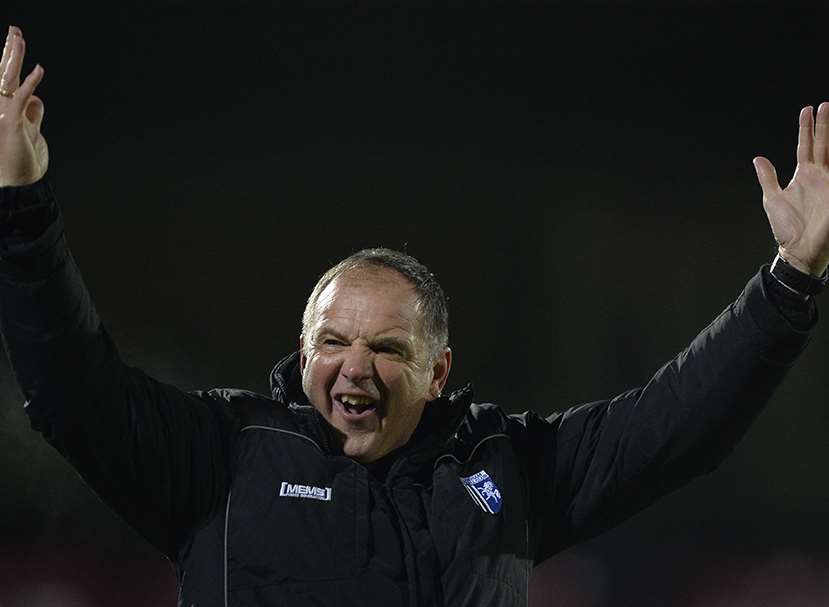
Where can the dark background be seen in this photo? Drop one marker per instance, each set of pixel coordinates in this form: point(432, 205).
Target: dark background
point(578, 177)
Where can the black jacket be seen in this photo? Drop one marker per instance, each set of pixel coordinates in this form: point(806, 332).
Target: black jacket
point(255, 505)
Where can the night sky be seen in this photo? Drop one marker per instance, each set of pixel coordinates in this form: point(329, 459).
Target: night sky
point(578, 178)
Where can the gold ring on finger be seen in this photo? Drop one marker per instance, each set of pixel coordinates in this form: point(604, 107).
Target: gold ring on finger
point(6, 93)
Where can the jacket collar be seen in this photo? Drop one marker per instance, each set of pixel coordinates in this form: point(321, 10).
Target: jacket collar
point(438, 425)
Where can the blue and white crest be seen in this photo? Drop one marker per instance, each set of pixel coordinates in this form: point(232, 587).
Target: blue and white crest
point(483, 491)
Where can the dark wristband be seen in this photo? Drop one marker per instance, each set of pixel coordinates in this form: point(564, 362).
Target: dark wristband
point(793, 279)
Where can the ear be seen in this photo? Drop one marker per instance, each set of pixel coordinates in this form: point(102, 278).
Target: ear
point(303, 360)
point(440, 373)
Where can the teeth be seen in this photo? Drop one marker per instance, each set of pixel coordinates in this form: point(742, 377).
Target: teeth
point(358, 401)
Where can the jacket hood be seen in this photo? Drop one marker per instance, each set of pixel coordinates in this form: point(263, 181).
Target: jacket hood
point(286, 382)
point(441, 417)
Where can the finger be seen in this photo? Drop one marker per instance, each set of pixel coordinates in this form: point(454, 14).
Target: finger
point(15, 63)
point(10, 79)
point(821, 134)
point(804, 135)
point(767, 176)
point(22, 94)
point(7, 48)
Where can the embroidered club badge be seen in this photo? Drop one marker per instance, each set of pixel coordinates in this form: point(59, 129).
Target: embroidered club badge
point(483, 491)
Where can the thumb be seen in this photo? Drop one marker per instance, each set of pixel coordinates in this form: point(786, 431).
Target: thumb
point(767, 177)
point(34, 110)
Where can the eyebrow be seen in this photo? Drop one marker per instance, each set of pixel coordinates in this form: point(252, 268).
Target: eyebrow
point(332, 332)
point(403, 344)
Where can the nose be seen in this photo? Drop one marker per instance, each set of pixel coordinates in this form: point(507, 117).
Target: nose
point(358, 366)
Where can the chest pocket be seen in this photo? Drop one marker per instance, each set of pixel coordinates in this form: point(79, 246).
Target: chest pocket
point(479, 506)
point(480, 536)
point(294, 515)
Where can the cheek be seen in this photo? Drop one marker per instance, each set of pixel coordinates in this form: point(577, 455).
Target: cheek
point(389, 373)
point(320, 373)
point(401, 381)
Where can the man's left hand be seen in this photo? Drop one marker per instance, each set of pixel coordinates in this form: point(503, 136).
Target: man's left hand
point(799, 214)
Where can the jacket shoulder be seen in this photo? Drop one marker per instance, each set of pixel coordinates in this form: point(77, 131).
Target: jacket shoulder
point(248, 407)
point(481, 422)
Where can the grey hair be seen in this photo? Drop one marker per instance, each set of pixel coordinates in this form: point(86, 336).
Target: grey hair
point(431, 301)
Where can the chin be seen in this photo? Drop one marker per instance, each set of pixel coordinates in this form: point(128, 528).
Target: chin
point(362, 449)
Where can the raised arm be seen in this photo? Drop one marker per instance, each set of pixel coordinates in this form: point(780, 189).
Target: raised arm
point(152, 452)
point(596, 464)
point(799, 214)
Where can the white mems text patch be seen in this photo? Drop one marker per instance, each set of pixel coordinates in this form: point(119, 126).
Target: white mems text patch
point(305, 491)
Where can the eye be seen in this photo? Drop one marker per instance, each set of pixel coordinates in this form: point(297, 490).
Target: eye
point(331, 341)
point(388, 350)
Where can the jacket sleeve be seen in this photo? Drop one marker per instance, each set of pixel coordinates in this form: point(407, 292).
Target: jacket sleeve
point(597, 464)
point(153, 453)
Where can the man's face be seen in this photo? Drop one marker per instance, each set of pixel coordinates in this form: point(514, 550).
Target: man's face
point(366, 365)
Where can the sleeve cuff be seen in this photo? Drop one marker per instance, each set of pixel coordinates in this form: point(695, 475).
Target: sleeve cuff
point(788, 338)
point(14, 199)
point(800, 310)
point(31, 228)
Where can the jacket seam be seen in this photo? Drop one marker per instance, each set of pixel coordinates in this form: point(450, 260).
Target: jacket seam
point(474, 449)
point(227, 520)
point(498, 580)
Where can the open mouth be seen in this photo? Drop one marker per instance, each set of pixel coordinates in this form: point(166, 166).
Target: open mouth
point(355, 407)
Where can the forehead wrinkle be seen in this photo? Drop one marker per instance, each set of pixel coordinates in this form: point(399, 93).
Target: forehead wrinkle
point(331, 323)
point(356, 290)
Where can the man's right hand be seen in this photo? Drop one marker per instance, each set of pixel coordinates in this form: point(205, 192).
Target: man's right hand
point(24, 155)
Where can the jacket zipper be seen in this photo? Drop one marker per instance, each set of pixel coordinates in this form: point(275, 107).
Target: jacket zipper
point(408, 544)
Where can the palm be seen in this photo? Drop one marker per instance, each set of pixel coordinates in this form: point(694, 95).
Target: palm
point(24, 155)
point(799, 214)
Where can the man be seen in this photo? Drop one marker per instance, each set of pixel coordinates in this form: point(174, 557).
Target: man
point(358, 482)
